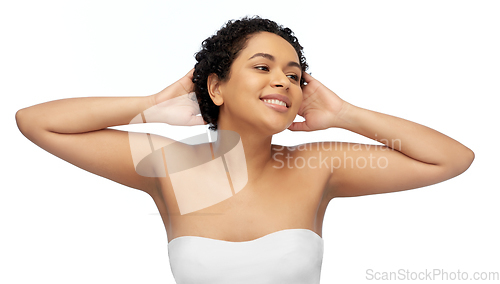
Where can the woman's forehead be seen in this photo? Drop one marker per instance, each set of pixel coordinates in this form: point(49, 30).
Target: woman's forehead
point(269, 43)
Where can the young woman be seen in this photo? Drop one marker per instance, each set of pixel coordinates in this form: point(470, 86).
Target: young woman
point(240, 209)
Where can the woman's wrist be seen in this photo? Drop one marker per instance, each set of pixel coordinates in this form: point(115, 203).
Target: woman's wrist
point(346, 116)
point(163, 96)
point(151, 100)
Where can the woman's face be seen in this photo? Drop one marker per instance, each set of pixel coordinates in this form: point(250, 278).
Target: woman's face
point(268, 65)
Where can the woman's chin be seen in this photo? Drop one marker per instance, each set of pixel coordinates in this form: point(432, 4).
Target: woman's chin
point(276, 127)
point(265, 126)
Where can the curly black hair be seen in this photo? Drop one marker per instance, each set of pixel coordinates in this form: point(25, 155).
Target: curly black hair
point(220, 50)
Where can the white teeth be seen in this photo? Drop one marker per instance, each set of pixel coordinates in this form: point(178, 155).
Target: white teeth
point(276, 102)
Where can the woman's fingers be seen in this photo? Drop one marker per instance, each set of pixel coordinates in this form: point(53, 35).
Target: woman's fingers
point(299, 126)
point(190, 74)
point(307, 78)
point(187, 82)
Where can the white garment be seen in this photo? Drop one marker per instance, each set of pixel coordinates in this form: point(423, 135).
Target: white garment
point(290, 256)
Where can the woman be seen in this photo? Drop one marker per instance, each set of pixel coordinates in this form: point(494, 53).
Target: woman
point(241, 210)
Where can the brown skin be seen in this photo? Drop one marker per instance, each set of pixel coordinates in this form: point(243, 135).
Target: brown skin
point(242, 111)
point(414, 155)
point(421, 157)
point(274, 198)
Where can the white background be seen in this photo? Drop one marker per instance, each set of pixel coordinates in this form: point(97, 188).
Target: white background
point(432, 62)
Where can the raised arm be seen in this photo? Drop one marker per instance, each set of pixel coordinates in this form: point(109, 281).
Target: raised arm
point(75, 130)
point(413, 155)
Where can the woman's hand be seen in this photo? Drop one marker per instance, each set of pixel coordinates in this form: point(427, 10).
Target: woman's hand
point(321, 108)
point(176, 104)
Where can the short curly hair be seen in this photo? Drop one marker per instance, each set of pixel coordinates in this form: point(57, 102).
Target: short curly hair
point(220, 50)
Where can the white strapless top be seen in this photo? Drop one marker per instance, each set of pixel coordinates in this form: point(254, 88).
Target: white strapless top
point(290, 256)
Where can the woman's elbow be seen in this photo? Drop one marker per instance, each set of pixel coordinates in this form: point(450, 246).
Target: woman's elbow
point(20, 120)
point(469, 158)
point(26, 123)
point(462, 161)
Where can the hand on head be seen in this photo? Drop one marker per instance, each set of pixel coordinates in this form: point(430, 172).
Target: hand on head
point(177, 104)
point(320, 107)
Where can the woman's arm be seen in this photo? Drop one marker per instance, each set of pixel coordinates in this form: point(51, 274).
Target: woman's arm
point(75, 130)
point(80, 115)
point(413, 156)
point(417, 141)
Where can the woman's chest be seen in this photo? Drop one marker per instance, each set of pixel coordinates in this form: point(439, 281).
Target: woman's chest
point(210, 207)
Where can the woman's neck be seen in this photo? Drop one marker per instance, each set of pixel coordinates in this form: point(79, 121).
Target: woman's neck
point(256, 148)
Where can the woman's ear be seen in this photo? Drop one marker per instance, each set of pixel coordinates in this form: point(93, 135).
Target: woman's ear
point(213, 86)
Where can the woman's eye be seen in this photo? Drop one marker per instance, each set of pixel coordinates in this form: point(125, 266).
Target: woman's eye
point(294, 77)
point(263, 68)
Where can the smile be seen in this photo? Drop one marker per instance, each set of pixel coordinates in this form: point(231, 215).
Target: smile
point(276, 105)
point(276, 102)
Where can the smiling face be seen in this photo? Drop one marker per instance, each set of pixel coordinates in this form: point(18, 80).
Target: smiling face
point(268, 66)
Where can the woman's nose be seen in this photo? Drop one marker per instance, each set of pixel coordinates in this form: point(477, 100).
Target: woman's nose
point(280, 80)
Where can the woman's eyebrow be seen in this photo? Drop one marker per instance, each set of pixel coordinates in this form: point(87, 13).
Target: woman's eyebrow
point(271, 57)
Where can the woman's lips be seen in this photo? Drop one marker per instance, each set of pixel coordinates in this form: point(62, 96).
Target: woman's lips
point(282, 98)
point(278, 108)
